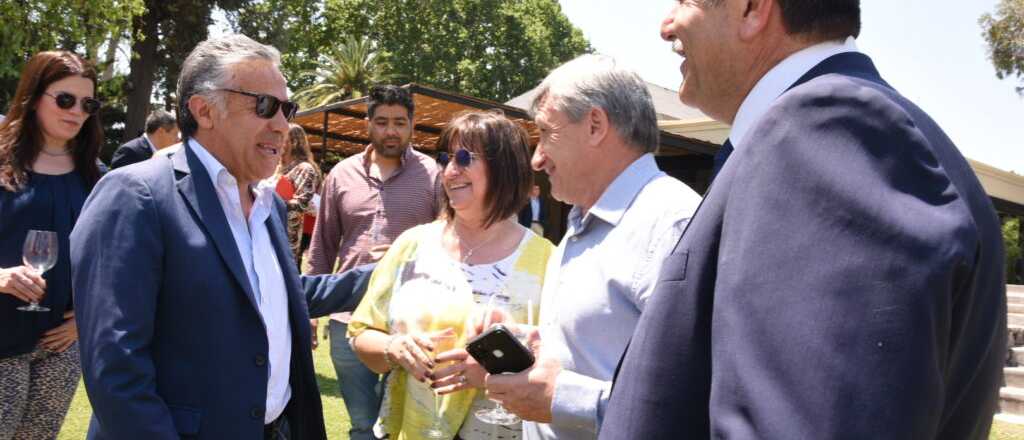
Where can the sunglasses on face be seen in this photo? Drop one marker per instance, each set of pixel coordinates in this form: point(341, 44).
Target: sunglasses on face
point(66, 100)
point(463, 158)
point(267, 105)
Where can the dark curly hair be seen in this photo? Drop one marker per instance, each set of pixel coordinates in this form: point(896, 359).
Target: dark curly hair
point(20, 135)
point(389, 95)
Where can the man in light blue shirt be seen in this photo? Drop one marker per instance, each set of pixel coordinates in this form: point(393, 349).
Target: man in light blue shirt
point(598, 132)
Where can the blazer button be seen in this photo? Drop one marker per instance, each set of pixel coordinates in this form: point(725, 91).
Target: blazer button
point(260, 360)
point(256, 413)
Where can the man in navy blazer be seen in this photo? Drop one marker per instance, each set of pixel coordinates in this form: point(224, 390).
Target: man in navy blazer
point(843, 277)
point(190, 310)
point(161, 132)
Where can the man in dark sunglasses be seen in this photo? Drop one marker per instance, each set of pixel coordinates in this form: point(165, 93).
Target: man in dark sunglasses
point(188, 302)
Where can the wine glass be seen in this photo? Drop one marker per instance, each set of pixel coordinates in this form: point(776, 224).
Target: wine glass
point(40, 254)
point(437, 311)
point(499, 415)
point(437, 428)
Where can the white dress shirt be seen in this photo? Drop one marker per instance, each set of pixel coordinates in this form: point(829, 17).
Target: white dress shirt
point(779, 79)
point(264, 272)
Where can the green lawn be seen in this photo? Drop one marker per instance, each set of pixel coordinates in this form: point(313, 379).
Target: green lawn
point(77, 421)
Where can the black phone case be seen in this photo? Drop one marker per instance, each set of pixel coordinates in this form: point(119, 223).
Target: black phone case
point(499, 352)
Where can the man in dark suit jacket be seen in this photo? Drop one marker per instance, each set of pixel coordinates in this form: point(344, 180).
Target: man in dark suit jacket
point(190, 309)
point(534, 214)
point(161, 132)
point(843, 277)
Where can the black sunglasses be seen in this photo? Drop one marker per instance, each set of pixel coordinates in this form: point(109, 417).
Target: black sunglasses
point(267, 105)
point(463, 158)
point(66, 100)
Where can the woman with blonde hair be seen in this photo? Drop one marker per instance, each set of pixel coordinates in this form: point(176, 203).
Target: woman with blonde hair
point(298, 183)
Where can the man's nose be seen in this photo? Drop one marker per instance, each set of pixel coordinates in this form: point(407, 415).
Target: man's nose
point(279, 122)
point(666, 26)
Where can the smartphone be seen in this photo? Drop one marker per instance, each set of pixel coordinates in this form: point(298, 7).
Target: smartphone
point(498, 351)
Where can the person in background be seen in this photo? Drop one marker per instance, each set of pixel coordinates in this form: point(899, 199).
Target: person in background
point(843, 278)
point(534, 214)
point(161, 132)
point(437, 274)
point(368, 200)
point(49, 144)
point(298, 182)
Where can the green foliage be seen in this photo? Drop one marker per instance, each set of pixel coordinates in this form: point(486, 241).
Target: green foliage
point(493, 49)
point(1011, 241)
point(1004, 32)
point(347, 72)
point(81, 26)
point(295, 27)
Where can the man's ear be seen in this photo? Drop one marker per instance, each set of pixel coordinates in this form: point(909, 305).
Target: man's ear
point(598, 125)
point(755, 18)
point(202, 111)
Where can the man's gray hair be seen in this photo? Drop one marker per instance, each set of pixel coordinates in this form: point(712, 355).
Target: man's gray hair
point(598, 81)
point(207, 68)
point(159, 118)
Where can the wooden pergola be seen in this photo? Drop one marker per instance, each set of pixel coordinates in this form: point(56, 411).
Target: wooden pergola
point(341, 128)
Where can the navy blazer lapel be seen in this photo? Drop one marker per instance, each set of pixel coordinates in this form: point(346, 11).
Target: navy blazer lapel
point(197, 188)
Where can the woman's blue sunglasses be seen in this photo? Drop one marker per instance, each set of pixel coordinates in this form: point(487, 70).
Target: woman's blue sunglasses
point(463, 158)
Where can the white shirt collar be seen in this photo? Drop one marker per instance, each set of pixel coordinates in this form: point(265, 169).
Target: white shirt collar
point(149, 142)
point(212, 165)
point(778, 80)
point(223, 180)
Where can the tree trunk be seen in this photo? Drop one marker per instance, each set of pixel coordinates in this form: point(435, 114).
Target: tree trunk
point(142, 71)
point(110, 59)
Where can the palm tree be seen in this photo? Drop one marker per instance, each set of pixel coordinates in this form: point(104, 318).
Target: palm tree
point(346, 73)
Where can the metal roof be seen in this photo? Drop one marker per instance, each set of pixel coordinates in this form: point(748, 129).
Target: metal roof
point(342, 126)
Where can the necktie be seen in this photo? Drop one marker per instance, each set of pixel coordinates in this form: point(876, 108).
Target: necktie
point(720, 157)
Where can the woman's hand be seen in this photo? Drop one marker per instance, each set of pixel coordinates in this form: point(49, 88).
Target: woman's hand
point(23, 283)
point(61, 337)
point(411, 353)
point(464, 374)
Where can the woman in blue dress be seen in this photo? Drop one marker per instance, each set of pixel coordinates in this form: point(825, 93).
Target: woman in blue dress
point(49, 142)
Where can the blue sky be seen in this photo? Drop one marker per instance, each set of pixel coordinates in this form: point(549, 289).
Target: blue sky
point(930, 50)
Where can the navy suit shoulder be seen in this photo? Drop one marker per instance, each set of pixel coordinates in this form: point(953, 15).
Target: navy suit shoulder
point(133, 151)
point(842, 279)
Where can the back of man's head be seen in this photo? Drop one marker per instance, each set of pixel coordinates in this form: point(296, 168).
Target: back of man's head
point(818, 20)
point(389, 95)
point(159, 118)
point(590, 81)
point(208, 69)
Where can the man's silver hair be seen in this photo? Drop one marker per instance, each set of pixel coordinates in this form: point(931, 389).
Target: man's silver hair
point(207, 68)
point(598, 81)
